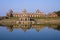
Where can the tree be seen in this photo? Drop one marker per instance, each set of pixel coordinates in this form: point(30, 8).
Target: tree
point(58, 27)
point(58, 13)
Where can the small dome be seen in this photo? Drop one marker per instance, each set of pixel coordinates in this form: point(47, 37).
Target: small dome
point(37, 11)
point(24, 11)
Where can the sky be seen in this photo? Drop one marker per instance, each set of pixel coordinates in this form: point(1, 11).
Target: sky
point(45, 6)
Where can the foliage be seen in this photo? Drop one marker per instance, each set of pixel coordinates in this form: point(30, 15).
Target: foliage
point(58, 13)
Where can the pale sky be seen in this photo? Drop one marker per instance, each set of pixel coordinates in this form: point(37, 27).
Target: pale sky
point(30, 5)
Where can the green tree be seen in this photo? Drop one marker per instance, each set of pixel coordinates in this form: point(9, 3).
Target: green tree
point(58, 13)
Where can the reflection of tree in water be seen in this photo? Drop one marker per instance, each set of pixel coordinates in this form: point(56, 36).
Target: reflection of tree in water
point(58, 27)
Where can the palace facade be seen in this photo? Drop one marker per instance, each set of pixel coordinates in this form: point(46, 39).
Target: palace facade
point(38, 13)
point(52, 14)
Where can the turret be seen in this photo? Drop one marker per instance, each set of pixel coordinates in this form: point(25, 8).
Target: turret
point(37, 11)
point(24, 11)
point(10, 13)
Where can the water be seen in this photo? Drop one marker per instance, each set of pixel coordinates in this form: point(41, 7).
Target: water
point(30, 32)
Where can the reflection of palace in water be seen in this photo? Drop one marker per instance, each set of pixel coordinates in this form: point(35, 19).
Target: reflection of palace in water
point(25, 27)
point(30, 26)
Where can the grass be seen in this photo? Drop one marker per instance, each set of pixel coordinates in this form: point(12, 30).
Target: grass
point(37, 18)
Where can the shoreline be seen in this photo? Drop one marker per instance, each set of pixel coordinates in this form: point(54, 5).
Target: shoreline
point(39, 21)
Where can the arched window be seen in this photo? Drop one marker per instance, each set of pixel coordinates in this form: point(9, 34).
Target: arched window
point(25, 19)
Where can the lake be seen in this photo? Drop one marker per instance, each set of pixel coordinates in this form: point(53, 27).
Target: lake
point(30, 32)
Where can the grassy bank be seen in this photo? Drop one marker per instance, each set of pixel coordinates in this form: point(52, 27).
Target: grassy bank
point(47, 20)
